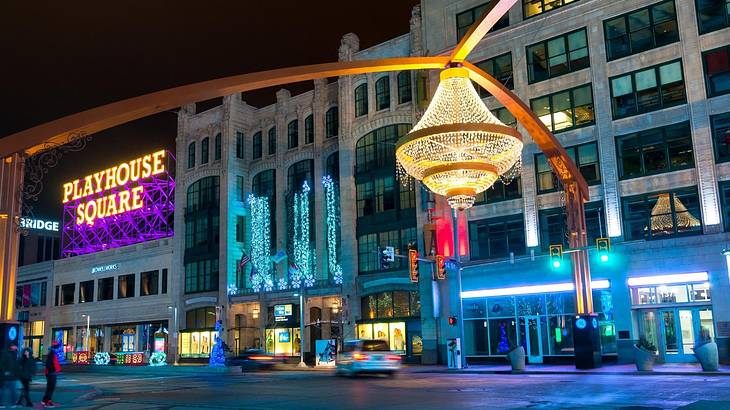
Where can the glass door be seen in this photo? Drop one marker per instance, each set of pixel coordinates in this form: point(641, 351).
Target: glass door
point(533, 339)
point(681, 329)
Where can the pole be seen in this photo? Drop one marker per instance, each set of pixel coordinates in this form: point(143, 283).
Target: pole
point(301, 326)
point(88, 321)
point(457, 254)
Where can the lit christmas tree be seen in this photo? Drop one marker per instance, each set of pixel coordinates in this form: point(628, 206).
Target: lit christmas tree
point(503, 346)
point(217, 353)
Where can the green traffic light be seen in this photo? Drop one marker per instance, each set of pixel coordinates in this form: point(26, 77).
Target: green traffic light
point(556, 264)
point(604, 257)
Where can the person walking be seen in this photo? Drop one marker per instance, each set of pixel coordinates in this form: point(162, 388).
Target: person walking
point(9, 360)
point(26, 372)
point(52, 370)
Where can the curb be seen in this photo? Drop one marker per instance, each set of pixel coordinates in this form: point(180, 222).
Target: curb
point(593, 373)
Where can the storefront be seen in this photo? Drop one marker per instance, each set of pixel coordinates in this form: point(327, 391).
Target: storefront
point(198, 337)
point(394, 317)
point(33, 337)
point(539, 318)
point(282, 334)
point(673, 312)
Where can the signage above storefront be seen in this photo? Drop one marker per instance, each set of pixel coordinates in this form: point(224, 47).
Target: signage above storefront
point(130, 202)
point(105, 268)
point(282, 313)
point(39, 224)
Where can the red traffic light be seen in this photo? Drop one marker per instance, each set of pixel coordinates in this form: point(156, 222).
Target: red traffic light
point(452, 320)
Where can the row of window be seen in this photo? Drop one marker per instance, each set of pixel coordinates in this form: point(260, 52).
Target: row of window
point(292, 132)
point(31, 294)
point(204, 151)
point(149, 284)
point(382, 93)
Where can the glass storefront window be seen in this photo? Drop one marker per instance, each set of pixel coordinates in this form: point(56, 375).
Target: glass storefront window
point(561, 335)
point(283, 341)
point(475, 309)
point(365, 331)
point(664, 294)
point(707, 330)
point(196, 344)
point(477, 337)
point(380, 331)
point(503, 333)
point(530, 305)
point(397, 336)
point(385, 304)
point(560, 303)
point(400, 304)
point(393, 333)
point(700, 292)
point(672, 294)
point(497, 307)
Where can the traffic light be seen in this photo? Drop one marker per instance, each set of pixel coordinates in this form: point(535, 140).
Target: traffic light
point(556, 256)
point(387, 256)
point(440, 267)
point(603, 245)
point(452, 321)
point(413, 264)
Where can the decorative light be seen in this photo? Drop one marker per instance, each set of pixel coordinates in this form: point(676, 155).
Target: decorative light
point(662, 218)
point(255, 313)
point(232, 289)
point(458, 148)
point(303, 254)
point(262, 269)
point(332, 207)
point(158, 359)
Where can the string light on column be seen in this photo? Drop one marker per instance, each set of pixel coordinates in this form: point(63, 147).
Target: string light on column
point(332, 220)
point(303, 254)
point(261, 276)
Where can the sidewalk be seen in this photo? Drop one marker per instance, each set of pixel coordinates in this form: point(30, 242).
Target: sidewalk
point(678, 369)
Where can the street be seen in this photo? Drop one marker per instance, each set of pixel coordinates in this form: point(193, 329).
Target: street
point(409, 389)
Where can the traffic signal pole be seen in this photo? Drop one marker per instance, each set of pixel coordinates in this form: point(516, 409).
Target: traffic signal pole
point(457, 257)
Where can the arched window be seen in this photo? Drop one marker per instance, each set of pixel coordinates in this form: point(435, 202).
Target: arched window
point(191, 155)
point(200, 318)
point(361, 100)
point(404, 87)
point(331, 122)
point(377, 149)
point(272, 140)
point(204, 151)
point(217, 152)
point(296, 175)
point(382, 93)
point(332, 166)
point(264, 184)
point(309, 129)
point(292, 132)
point(202, 235)
point(257, 145)
point(300, 172)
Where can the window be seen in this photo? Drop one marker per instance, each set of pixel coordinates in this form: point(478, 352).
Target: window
point(384, 194)
point(647, 90)
point(713, 15)
point(662, 214)
point(125, 286)
point(240, 229)
point(106, 289)
point(86, 291)
point(407, 196)
point(191, 155)
point(31, 294)
point(300, 172)
point(367, 253)
point(585, 157)
point(557, 56)
point(292, 132)
point(239, 188)
point(655, 151)
point(554, 230)
point(500, 191)
point(717, 71)
point(376, 150)
point(164, 281)
point(257, 149)
point(332, 166)
point(149, 283)
point(200, 318)
point(382, 93)
point(361, 100)
point(217, 149)
point(264, 184)
point(204, 151)
point(721, 136)
point(500, 68)
point(309, 129)
point(368, 258)
point(201, 276)
point(641, 30)
point(565, 110)
point(404, 87)
point(272, 141)
point(497, 237)
point(331, 126)
point(67, 294)
point(398, 304)
point(505, 116)
point(239, 144)
point(203, 193)
point(365, 199)
point(725, 201)
point(466, 19)
point(533, 8)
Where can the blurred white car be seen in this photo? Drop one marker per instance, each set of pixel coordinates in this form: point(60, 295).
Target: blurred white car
point(367, 356)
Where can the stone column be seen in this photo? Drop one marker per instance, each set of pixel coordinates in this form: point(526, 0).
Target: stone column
point(11, 191)
point(318, 213)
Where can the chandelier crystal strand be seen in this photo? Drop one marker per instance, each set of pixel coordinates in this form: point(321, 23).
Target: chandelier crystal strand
point(458, 148)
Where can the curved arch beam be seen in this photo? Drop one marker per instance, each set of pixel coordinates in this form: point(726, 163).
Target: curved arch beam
point(100, 118)
point(563, 166)
point(489, 18)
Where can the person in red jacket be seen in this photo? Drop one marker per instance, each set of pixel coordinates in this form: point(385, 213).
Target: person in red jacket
point(52, 370)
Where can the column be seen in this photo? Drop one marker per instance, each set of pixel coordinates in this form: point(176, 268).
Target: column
point(11, 186)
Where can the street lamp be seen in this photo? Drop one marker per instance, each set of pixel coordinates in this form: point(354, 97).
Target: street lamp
point(88, 322)
point(174, 313)
point(301, 326)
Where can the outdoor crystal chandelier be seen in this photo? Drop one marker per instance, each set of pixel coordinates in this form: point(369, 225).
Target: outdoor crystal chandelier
point(458, 148)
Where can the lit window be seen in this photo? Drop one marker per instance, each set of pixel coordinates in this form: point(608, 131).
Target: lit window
point(565, 110)
point(647, 90)
point(585, 157)
point(557, 56)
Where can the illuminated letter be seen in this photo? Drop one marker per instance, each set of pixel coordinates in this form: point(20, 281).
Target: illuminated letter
point(88, 188)
point(90, 215)
point(122, 169)
point(80, 214)
point(55, 226)
point(123, 201)
point(97, 178)
point(111, 177)
point(101, 206)
point(137, 197)
point(146, 166)
point(134, 169)
point(111, 206)
point(158, 166)
point(68, 189)
point(77, 193)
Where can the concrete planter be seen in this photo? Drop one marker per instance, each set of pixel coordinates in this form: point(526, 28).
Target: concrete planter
point(708, 357)
point(644, 359)
point(516, 358)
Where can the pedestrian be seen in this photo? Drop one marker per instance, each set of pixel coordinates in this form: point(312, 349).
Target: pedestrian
point(27, 370)
point(52, 370)
point(9, 360)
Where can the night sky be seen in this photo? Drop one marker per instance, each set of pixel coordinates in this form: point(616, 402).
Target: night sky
point(59, 58)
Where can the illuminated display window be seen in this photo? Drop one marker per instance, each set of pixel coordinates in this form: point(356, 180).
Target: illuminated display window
point(670, 294)
point(565, 110)
point(393, 333)
point(531, 8)
point(662, 215)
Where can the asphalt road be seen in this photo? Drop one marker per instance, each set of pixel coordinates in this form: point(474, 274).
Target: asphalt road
point(320, 390)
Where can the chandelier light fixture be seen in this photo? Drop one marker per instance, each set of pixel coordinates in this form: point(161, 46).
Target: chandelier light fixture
point(662, 220)
point(458, 148)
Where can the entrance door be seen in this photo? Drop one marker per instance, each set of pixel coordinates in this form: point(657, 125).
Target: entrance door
point(676, 330)
point(533, 339)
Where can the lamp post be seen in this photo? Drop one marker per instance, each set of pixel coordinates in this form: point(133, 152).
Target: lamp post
point(457, 258)
point(175, 332)
point(301, 326)
point(88, 322)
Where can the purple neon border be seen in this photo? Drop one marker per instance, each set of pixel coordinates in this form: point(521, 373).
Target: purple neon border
point(153, 221)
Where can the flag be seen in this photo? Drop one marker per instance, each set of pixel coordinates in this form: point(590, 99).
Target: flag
point(242, 263)
point(280, 256)
point(293, 269)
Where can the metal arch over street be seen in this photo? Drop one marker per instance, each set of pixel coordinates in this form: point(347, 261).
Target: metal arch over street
point(15, 147)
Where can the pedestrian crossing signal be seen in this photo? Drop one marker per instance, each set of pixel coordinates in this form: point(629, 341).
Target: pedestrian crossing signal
point(413, 265)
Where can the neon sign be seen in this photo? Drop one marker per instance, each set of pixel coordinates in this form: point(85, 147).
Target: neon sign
point(39, 224)
point(130, 202)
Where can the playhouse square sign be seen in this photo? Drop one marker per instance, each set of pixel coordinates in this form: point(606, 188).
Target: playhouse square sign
point(114, 190)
